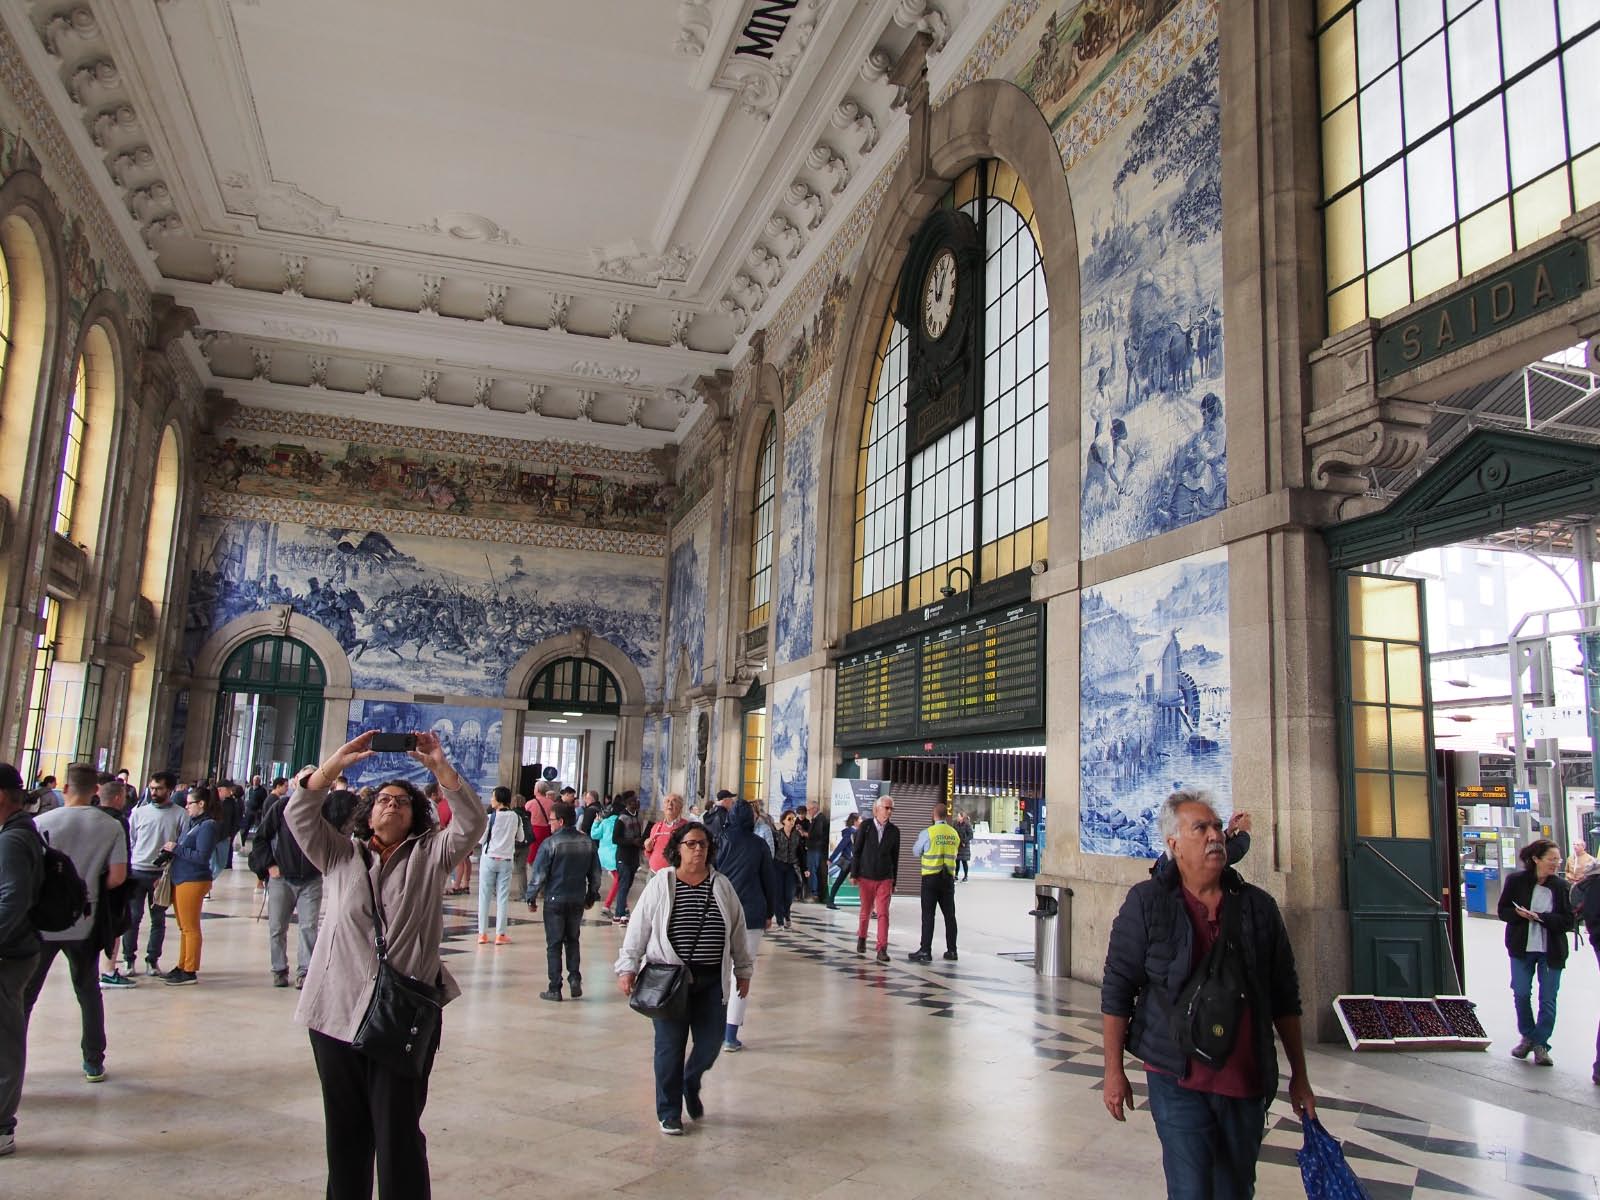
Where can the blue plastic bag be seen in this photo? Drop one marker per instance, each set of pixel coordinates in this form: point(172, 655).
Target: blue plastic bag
point(1323, 1169)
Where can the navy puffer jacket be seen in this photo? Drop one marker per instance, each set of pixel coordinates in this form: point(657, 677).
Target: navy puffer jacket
point(746, 861)
point(1151, 954)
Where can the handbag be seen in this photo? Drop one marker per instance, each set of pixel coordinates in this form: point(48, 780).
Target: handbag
point(661, 990)
point(1323, 1170)
point(161, 893)
point(1211, 1005)
point(401, 1023)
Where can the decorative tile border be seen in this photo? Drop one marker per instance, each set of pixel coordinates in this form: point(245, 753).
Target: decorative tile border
point(980, 62)
point(691, 520)
point(231, 506)
point(1162, 53)
point(811, 402)
point(573, 456)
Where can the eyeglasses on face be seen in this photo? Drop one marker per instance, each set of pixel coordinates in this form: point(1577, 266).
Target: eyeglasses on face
point(391, 799)
point(694, 845)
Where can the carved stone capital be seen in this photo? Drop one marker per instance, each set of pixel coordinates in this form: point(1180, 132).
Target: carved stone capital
point(169, 321)
point(714, 389)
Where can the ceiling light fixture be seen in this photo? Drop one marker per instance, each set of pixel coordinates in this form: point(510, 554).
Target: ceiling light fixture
point(558, 720)
point(567, 714)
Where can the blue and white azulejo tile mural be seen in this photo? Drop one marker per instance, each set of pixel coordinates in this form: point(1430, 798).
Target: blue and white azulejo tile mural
point(686, 616)
point(471, 738)
point(789, 731)
point(795, 568)
point(1150, 252)
point(1155, 702)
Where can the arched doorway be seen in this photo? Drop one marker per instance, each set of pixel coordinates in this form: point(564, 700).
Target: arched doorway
point(269, 710)
point(574, 706)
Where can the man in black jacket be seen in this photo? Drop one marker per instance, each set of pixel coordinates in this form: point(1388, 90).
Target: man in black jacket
point(21, 875)
point(293, 886)
point(817, 853)
point(1210, 1117)
point(566, 871)
point(875, 870)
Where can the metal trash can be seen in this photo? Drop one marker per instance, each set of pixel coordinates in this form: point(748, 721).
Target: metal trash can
point(1052, 930)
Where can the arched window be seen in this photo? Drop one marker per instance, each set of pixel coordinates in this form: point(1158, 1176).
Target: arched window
point(269, 709)
point(575, 683)
point(975, 499)
point(72, 437)
point(761, 527)
point(24, 315)
point(154, 582)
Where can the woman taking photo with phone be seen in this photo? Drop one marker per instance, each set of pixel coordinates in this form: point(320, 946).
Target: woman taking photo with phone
point(398, 856)
point(688, 916)
point(1536, 906)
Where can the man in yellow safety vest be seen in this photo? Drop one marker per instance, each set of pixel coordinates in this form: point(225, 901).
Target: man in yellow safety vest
point(936, 848)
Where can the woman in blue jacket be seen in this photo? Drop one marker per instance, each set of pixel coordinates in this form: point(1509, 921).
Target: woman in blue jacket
point(843, 855)
point(191, 878)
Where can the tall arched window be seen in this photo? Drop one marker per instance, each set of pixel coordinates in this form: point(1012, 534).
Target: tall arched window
point(974, 499)
point(761, 527)
point(72, 437)
point(24, 317)
point(154, 582)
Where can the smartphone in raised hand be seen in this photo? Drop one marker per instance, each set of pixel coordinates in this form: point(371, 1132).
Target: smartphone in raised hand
point(394, 743)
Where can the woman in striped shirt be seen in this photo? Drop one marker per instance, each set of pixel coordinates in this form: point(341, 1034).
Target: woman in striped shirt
point(689, 914)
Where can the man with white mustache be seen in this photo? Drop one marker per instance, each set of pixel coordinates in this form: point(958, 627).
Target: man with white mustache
point(1210, 1081)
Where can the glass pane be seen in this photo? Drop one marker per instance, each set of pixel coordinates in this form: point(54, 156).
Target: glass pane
point(1366, 671)
point(1586, 179)
point(1373, 819)
point(1474, 56)
point(1349, 305)
point(1407, 728)
point(1533, 125)
point(1419, 19)
point(1405, 674)
point(1341, 150)
point(1539, 208)
point(1427, 102)
point(1430, 180)
point(1577, 15)
point(1377, 39)
point(1337, 60)
point(1389, 287)
point(1384, 209)
point(1383, 608)
point(1434, 264)
point(1486, 238)
point(1345, 260)
point(1582, 68)
point(1480, 157)
point(1380, 121)
point(1412, 816)
point(1527, 32)
point(1370, 736)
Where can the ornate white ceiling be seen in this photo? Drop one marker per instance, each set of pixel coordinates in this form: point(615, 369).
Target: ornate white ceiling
point(486, 214)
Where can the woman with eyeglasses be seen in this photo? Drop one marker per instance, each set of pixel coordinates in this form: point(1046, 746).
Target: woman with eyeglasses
point(398, 854)
point(689, 915)
point(192, 878)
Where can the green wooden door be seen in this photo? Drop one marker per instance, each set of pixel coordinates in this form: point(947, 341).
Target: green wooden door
point(1397, 917)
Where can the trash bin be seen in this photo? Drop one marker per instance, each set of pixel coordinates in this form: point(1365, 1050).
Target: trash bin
point(1052, 930)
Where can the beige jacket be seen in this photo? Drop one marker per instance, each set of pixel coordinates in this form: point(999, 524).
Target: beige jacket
point(344, 964)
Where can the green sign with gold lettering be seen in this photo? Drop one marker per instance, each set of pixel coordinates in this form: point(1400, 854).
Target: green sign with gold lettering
point(1550, 278)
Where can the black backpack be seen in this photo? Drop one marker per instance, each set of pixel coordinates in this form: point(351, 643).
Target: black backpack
point(1585, 901)
point(63, 898)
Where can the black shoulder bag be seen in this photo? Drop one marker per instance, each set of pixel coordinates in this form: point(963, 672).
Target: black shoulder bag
point(402, 1018)
point(1212, 1004)
point(661, 990)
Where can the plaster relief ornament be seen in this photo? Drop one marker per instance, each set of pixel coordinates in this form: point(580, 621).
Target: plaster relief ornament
point(536, 394)
point(144, 202)
point(680, 329)
point(560, 306)
point(921, 17)
point(284, 208)
point(626, 262)
point(137, 158)
point(79, 23)
point(207, 339)
point(850, 117)
point(99, 73)
point(482, 386)
point(374, 379)
point(781, 233)
point(730, 307)
point(469, 227)
point(765, 265)
point(877, 66)
point(611, 374)
point(430, 388)
point(694, 27)
point(319, 372)
point(222, 258)
point(621, 312)
point(635, 410)
point(261, 363)
point(365, 277)
point(750, 293)
point(494, 303)
point(823, 160)
point(682, 402)
point(158, 228)
point(112, 124)
point(586, 405)
point(294, 274)
point(430, 294)
point(805, 198)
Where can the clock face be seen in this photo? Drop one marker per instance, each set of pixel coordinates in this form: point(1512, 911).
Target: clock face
point(939, 295)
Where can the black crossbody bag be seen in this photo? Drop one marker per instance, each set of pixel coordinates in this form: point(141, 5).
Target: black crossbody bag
point(1212, 1004)
point(661, 990)
point(402, 1018)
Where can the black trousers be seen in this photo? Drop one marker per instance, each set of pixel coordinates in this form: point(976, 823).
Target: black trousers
point(372, 1113)
point(562, 923)
point(83, 958)
point(939, 891)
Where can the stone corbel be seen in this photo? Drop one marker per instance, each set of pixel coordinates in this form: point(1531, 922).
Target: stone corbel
point(169, 321)
point(1352, 429)
point(714, 389)
point(215, 409)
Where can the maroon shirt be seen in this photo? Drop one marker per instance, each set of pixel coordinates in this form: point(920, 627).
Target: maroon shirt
point(1239, 1077)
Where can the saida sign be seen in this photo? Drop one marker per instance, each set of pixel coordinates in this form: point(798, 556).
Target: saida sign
point(1549, 278)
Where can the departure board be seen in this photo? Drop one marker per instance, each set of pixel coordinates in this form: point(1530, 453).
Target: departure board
point(984, 673)
point(876, 697)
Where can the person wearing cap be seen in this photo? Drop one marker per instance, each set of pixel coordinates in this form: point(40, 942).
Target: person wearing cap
point(717, 816)
point(21, 874)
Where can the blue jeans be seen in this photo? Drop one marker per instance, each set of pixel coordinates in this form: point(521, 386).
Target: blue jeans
point(625, 874)
point(818, 883)
point(494, 878)
point(140, 885)
point(1209, 1144)
point(707, 1016)
point(1523, 970)
point(787, 880)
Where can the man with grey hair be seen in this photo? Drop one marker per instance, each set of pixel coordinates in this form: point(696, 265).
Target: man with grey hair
point(1208, 1094)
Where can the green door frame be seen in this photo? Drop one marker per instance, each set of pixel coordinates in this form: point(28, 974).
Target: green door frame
point(1493, 481)
point(304, 679)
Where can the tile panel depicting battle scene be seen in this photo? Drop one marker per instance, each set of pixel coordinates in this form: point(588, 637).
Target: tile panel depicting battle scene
point(1131, 91)
point(1155, 700)
point(420, 614)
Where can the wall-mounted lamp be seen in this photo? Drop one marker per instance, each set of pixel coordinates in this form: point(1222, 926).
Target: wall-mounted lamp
point(947, 591)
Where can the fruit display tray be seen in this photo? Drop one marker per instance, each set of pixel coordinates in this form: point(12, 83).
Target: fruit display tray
point(1409, 1023)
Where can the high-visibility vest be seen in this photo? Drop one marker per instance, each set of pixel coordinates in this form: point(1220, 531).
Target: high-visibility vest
point(943, 843)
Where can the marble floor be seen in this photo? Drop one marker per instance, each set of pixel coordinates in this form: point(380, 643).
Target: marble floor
point(972, 1078)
